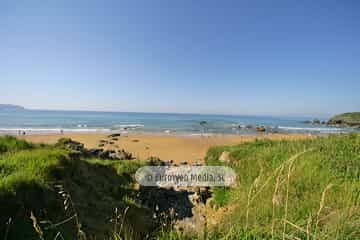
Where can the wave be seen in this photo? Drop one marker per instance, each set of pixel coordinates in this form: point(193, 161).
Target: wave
point(312, 129)
point(53, 130)
point(129, 126)
point(81, 128)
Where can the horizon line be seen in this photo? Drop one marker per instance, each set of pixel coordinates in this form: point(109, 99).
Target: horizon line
point(182, 113)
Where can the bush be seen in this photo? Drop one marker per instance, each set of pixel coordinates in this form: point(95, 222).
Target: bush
point(12, 144)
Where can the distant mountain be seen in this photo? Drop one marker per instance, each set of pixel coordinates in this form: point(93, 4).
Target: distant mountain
point(11, 107)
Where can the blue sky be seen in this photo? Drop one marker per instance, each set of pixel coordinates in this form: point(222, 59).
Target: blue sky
point(236, 57)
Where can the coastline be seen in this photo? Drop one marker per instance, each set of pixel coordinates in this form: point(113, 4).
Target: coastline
point(190, 148)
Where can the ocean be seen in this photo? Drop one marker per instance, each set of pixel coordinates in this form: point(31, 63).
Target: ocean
point(46, 121)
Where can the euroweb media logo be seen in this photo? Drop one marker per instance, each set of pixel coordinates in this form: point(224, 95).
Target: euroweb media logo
point(194, 176)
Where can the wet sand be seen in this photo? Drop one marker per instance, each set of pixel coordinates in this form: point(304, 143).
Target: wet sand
point(179, 148)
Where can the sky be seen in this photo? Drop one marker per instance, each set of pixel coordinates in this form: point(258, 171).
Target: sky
point(226, 57)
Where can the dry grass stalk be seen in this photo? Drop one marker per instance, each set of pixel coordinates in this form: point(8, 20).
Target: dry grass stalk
point(249, 199)
point(299, 228)
point(321, 206)
point(36, 226)
point(276, 170)
point(8, 224)
point(123, 219)
point(308, 225)
point(291, 162)
point(275, 199)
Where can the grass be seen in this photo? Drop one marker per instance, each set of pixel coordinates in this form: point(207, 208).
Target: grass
point(351, 118)
point(40, 181)
point(12, 144)
point(308, 189)
point(301, 189)
point(26, 178)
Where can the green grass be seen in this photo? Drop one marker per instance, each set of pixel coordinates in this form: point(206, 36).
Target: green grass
point(314, 195)
point(33, 178)
point(12, 144)
point(351, 118)
point(268, 193)
point(26, 179)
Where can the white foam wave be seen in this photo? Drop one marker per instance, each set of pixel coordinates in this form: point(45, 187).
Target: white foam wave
point(312, 129)
point(53, 130)
point(129, 126)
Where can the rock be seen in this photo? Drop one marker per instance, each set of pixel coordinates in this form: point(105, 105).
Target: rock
point(169, 162)
point(194, 198)
point(155, 161)
point(350, 119)
point(316, 121)
point(114, 139)
point(79, 148)
point(101, 145)
point(261, 129)
point(95, 151)
point(225, 157)
point(70, 144)
point(204, 194)
point(335, 122)
point(104, 154)
point(119, 155)
point(114, 135)
point(184, 163)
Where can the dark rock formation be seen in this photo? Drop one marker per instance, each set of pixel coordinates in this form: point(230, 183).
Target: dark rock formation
point(79, 148)
point(114, 135)
point(351, 119)
point(261, 129)
point(316, 121)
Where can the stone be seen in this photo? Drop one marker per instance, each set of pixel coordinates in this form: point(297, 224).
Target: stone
point(225, 157)
point(316, 121)
point(114, 135)
point(261, 129)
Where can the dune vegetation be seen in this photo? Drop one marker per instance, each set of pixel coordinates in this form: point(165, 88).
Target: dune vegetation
point(50, 192)
point(307, 189)
point(300, 189)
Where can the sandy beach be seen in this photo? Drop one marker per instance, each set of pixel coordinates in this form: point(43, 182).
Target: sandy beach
point(179, 148)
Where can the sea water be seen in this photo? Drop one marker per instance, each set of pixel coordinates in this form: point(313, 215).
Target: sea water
point(46, 121)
